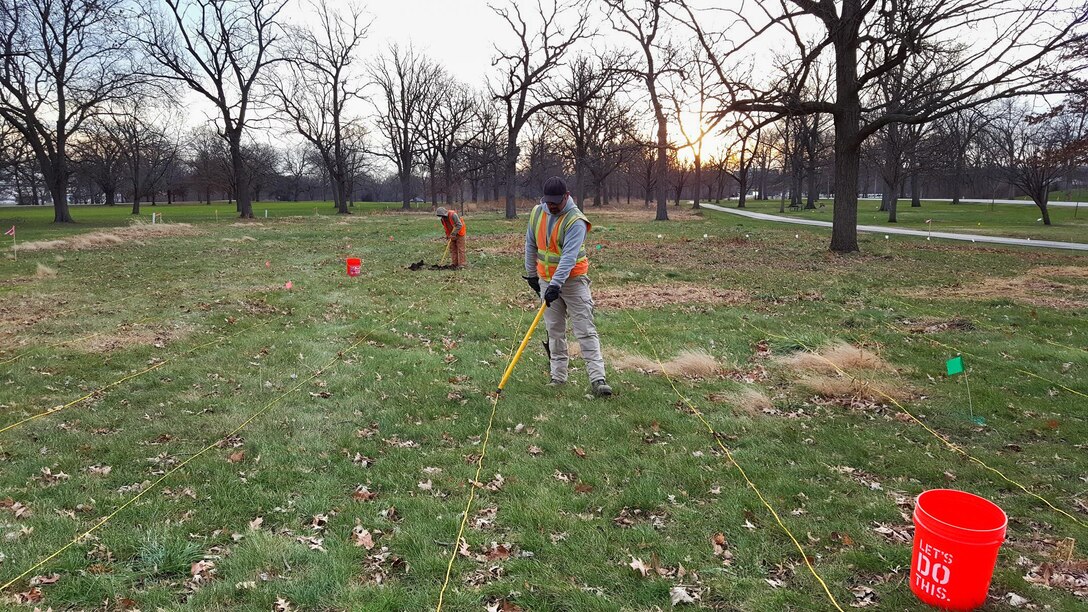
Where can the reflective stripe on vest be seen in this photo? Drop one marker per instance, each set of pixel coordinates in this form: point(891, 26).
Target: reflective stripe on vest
point(448, 224)
point(549, 249)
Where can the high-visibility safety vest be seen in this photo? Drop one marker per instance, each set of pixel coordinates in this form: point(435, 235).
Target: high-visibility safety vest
point(448, 223)
point(550, 248)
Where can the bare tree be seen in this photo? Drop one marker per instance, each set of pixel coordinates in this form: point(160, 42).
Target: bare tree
point(690, 95)
point(453, 129)
point(588, 128)
point(741, 153)
point(642, 21)
point(526, 86)
point(220, 50)
point(958, 133)
point(100, 156)
point(406, 81)
point(60, 62)
point(484, 155)
point(316, 86)
point(1019, 50)
point(1035, 151)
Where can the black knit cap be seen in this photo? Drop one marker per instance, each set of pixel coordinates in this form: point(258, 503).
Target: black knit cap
point(555, 190)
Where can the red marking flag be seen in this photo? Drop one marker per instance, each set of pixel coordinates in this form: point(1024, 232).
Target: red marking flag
point(10, 232)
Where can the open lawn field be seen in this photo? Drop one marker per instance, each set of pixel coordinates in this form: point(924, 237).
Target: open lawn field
point(181, 431)
point(1012, 220)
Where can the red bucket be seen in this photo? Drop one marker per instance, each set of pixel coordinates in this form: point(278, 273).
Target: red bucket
point(956, 538)
point(355, 266)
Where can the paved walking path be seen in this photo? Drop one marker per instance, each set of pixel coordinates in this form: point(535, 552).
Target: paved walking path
point(876, 229)
point(982, 201)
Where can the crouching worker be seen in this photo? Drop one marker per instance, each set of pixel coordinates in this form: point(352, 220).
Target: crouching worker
point(455, 234)
point(555, 254)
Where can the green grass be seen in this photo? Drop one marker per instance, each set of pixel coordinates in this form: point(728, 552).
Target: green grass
point(34, 222)
point(434, 344)
point(1013, 220)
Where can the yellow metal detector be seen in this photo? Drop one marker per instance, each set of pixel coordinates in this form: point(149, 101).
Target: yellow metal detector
point(449, 241)
point(521, 348)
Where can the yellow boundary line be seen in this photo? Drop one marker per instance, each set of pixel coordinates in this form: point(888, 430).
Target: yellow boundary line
point(951, 445)
point(483, 451)
point(339, 356)
point(983, 359)
point(122, 380)
point(733, 460)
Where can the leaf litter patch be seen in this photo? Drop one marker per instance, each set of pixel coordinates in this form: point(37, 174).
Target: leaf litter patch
point(689, 296)
point(1037, 287)
point(129, 335)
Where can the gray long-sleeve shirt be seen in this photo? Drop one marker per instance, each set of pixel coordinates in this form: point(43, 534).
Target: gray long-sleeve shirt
point(572, 242)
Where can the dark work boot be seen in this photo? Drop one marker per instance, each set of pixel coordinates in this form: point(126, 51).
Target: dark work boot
point(601, 388)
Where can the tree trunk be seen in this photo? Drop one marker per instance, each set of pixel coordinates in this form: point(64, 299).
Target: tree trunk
point(662, 162)
point(135, 204)
point(1042, 204)
point(56, 180)
point(844, 225)
point(511, 176)
point(405, 181)
point(698, 182)
point(58, 188)
point(110, 195)
point(915, 195)
point(957, 180)
point(813, 188)
point(241, 178)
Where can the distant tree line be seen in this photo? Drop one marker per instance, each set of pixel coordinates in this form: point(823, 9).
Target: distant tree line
point(795, 100)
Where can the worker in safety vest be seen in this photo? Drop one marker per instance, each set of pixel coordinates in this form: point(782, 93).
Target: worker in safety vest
point(555, 254)
point(455, 233)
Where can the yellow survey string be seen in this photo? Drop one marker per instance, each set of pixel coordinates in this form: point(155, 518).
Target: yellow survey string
point(483, 453)
point(124, 379)
point(733, 460)
point(1020, 370)
point(993, 327)
point(199, 453)
point(951, 445)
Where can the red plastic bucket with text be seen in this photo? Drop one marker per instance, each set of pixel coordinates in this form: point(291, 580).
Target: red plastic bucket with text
point(956, 539)
point(355, 266)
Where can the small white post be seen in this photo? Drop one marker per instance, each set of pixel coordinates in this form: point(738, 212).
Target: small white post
point(266, 213)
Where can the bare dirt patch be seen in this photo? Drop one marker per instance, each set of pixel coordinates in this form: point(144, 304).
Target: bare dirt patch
point(687, 364)
point(501, 244)
point(1037, 287)
point(137, 233)
point(129, 335)
point(660, 296)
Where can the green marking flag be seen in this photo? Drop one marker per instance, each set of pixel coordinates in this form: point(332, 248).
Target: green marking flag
point(954, 365)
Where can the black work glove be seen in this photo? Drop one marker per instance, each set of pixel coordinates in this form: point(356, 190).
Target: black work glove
point(534, 283)
point(551, 294)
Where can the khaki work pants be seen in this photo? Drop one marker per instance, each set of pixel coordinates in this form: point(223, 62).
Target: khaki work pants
point(457, 251)
point(576, 303)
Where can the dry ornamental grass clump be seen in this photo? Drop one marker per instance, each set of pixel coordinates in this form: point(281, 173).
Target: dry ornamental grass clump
point(836, 356)
point(846, 375)
point(688, 364)
point(749, 401)
point(136, 233)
